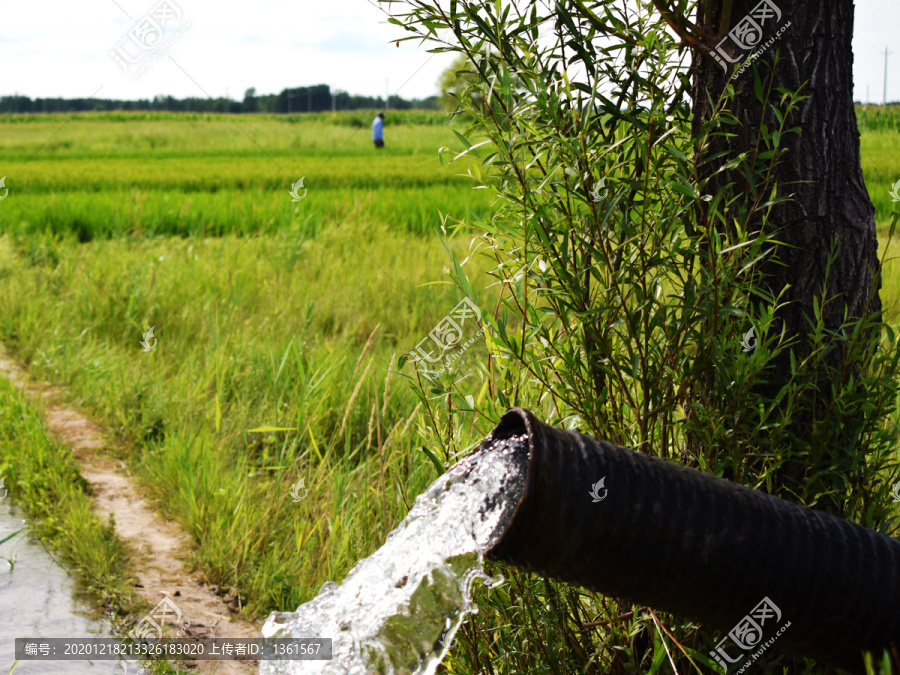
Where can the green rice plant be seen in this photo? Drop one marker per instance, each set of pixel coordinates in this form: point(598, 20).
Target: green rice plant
point(878, 118)
point(170, 212)
point(351, 118)
point(184, 177)
point(183, 136)
point(881, 168)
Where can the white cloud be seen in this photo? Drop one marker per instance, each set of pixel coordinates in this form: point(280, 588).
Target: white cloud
point(59, 48)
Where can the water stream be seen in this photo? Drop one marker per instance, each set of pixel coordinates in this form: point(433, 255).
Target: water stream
point(39, 599)
point(398, 610)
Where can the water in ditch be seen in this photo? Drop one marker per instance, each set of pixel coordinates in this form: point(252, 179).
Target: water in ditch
point(398, 610)
point(39, 599)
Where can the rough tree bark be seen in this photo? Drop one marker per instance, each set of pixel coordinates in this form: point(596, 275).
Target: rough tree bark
point(821, 169)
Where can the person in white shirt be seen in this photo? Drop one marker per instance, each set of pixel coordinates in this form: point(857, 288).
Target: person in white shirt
point(378, 130)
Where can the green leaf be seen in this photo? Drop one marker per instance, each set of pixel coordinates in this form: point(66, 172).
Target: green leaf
point(265, 429)
point(688, 191)
point(434, 459)
point(757, 85)
point(462, 139)
point(10, 536)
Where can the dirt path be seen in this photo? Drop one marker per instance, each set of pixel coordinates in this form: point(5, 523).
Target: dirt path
point(159, 546)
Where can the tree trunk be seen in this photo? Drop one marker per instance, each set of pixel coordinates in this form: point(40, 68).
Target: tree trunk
point(821, 169)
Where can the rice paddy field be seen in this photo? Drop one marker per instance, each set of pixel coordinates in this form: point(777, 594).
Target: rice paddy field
point(278, 326)
point(268, 312)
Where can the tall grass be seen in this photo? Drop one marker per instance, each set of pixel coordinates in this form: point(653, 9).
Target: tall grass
point(268, 313)
point(43, 477)
point(288, 331)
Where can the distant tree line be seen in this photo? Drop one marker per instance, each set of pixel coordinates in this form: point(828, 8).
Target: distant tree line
point(317, 98)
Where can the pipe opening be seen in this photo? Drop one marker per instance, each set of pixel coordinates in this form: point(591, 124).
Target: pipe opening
point(622, 523)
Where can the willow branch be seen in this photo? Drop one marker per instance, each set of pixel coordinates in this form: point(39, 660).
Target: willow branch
point(687, 31)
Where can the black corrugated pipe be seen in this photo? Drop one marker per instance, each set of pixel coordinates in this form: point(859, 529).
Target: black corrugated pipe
point(731, 558)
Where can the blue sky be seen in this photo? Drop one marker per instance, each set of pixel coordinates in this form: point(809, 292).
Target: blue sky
point(61, 48)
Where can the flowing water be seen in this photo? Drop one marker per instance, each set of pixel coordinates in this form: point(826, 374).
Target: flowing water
point(39, 599)
point(398, 610)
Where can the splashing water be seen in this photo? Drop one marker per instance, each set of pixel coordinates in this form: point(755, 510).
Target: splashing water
point(398, 610)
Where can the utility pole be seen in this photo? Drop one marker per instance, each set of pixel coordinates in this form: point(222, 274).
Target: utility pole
point(387, 98)
point(290, 97)
point(886, 52)
point(333, 99)
point(309, 99)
